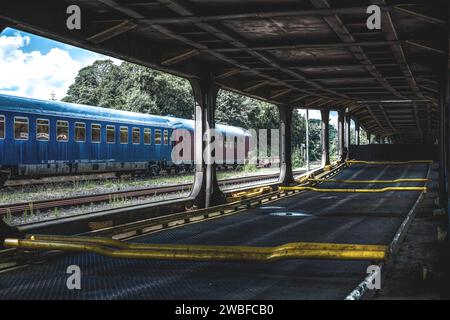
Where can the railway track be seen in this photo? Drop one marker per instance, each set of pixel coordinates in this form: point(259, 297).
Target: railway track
point(12, 259)
point(44, 205)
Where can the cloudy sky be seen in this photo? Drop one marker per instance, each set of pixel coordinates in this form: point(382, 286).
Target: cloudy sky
point(35, 67)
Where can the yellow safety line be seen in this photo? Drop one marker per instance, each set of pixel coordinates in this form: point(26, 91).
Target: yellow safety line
point(424, 189)
point(194, 247)
point(270, 254)
point(371, 181)
point(387, 162)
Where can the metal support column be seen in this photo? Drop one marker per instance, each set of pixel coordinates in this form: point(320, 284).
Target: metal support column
point(347, 131)
point(444, 99)
point(325, 136)
point(357, 133)
point(442, 147)
point(369, 137)
point(286, 176)
point(341, 133)
point(205, 190)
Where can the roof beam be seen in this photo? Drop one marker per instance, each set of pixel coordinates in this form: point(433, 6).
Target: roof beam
point(397, 50)
point(189, 19)
point(313, 45)
point(173, 59)
point(112, 32)
point(387, 118)
point(419, 16)
point(234, 39)
point(343, 33)
point(279, 93)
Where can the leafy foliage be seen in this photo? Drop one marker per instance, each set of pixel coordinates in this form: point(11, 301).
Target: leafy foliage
point(136, 88)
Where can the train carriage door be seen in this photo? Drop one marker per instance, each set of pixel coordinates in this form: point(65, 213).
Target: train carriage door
point(124, 147)
point(62, 139)
point(235, 151)
point(158, 155)
point(136, 142)
point(111, 142)
point(166, 147)
point(22, 137)
point(42, 140)
point(79, 153)
point(96, 139)
point(147, 144)
point(223, 147)
point(229, 151)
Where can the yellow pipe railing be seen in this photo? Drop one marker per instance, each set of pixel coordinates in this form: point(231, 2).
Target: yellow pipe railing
point(195, 247)
point(371, 181)
point(102, 246)
point(250, 193)
point(423, 189)
point(388, 162)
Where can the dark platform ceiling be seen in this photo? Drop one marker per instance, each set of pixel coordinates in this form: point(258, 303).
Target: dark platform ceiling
point(309, 53)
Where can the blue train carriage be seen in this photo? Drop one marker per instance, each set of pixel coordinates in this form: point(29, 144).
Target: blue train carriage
point(228, 138)
point(45, 138)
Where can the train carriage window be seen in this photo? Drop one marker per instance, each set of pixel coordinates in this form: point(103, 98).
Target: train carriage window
point(147, 136)
point(80, 132)
point(42, 130)
point(166, 137)
point(2, 127)
point(110, 134)
point(123, 135)
point(96, 133)
point(157, 136)
point(136, 136)
point(21, 128)
point(62, 131)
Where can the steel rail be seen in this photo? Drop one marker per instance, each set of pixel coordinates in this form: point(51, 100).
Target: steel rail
point(136, 229)
point(103, 197)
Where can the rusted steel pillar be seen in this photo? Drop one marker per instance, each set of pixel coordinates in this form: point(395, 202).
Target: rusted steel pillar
point(205, 190)
point(341, 133)
point(347, 131)
point(325, 136)
point(443, 148)
point(444, 112)
point(286, 176)
point(369, 136)
point(357, 133)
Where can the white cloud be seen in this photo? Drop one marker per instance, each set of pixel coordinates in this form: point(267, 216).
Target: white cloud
point(36, 75)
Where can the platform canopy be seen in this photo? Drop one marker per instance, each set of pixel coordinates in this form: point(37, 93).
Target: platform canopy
point(316, 54)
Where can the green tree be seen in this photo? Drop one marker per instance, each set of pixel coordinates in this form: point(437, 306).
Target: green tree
point(136, 88)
